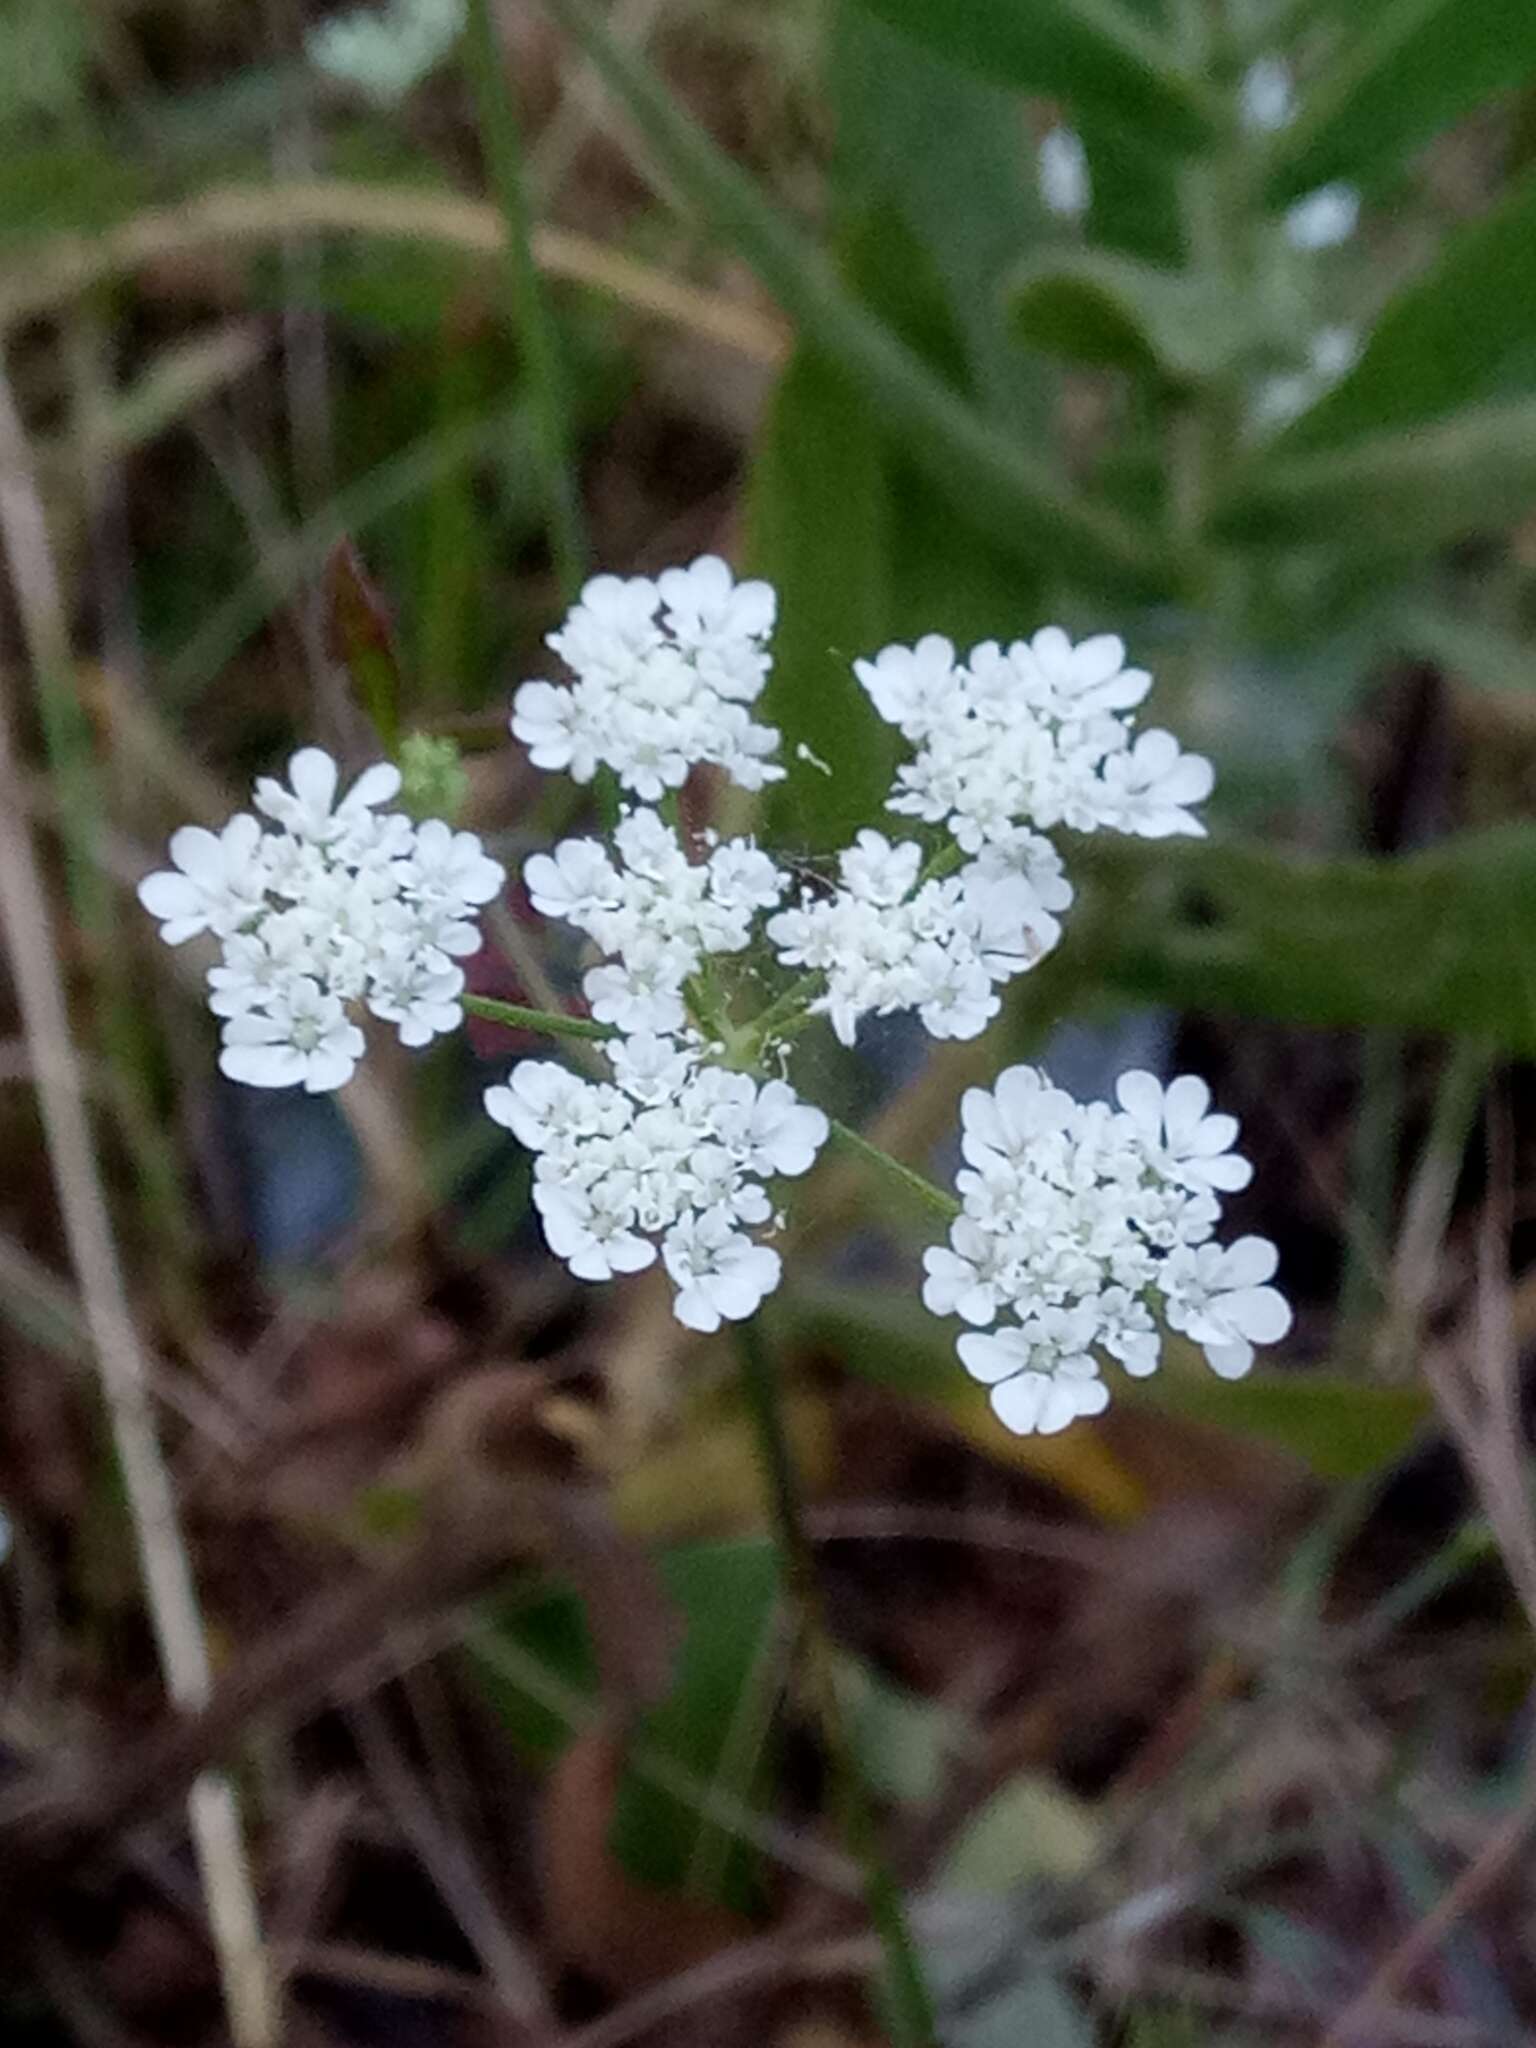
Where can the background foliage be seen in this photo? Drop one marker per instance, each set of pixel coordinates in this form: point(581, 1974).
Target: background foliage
point(1199, 1726)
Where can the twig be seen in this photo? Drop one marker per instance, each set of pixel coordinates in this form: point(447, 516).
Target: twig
point(249, 216)
point(167, 1571)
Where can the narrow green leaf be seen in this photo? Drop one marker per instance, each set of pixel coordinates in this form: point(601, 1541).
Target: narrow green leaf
point(1412, 67)
point(715, 1722)
point(819, 517)
point(1403, 492)
point(1115, 312)
point(364, 638)
point(988, 479)
point(1444, 339)
point(1090, 53)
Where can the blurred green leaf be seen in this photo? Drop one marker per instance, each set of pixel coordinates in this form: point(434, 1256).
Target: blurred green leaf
point(1092, 54)
point(364, 637)
point(1444, 338)
point(1412, 67)
point(1133, 204)
point(1438, 942)
point(1404, 492)
point(715, 1722)
point(1113, 312)
point(947, 153)
point(819, 515)
point(1339, 1429)
point(47, 49)
point(986, 477)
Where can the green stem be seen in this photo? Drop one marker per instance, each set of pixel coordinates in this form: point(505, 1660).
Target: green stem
point(910, 2007)
point(552, 1022)
point(502, 144)
point(932, 1198)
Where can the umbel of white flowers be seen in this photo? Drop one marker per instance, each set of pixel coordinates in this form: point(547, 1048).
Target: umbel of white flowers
point(671, 1149)
point(320, 906)
point(1083, 1228)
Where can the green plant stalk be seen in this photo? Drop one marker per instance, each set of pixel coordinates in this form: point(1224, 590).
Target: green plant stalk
point(910, 2006)
point(921, 1190)
point(520, 1018)
point(502, 143)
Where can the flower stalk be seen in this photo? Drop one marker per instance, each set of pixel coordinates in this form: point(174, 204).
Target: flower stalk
point(910, 2007)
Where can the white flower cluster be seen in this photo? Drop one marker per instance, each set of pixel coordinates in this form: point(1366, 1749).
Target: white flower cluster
point(386, 53)
point(1082, 1220)
point(1035, 734)
point(671, 1149)
point(332, 903)
point(888, 939)
point(664, 672)
point(656, 911)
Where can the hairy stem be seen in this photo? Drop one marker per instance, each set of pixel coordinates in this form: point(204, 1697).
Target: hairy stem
point(552, 1022)
point(910, 2007)
point(921, 1190)
point(502, 143)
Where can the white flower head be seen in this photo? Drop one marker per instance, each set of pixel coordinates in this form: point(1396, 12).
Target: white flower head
point(663, 672)
point(1016, 740)
point(337, 902)
point(1082, 1229)
point(672, 1155)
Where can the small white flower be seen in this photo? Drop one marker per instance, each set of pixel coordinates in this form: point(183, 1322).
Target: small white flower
point(385, 53)
point(308, 809)
point(1027, 1397)
point(1189, 1145)
point(720, 1274)
point(575, 881)
point(1065, 186)
point(595, 1241)
point(1219, 1297)
point(304, 1038)
point(785, 1134)
point(1150, 786)
point(218, 885)
point(1324, 218)
point(649, 1068)
point(1265, 96)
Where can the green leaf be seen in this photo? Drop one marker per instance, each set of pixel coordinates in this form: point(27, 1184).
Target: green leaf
point(987, 478)
point(1439, 942)
point(1412, 67)
point(1114, 312)
point(819, 513)
point(364, 636)
point(1339, 1429)
point(715, 1723)
point(1133, 205)
point(1444, 339)
point(945, 152)
point(1091, 54)
point(1404, 492)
